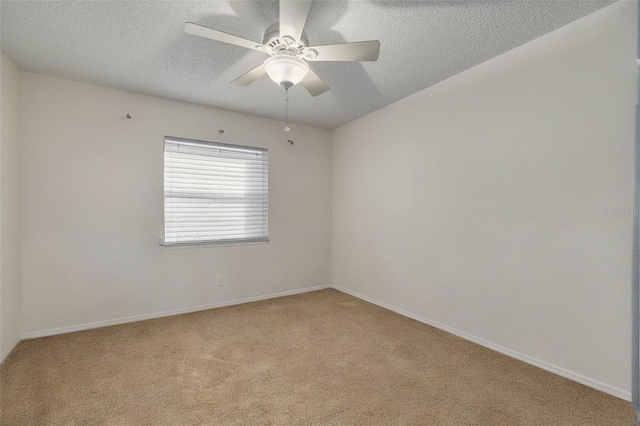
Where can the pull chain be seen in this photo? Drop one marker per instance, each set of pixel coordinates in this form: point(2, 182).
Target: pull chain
point(286, 127)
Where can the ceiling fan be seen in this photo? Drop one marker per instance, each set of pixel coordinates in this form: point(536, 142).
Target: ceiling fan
point(288, 48)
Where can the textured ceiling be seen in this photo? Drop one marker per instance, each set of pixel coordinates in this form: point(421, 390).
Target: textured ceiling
point(140, 46)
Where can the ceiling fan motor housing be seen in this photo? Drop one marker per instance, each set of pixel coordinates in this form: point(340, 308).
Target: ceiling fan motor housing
point(276, 43)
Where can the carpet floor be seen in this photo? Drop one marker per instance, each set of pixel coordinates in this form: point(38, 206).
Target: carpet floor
point(321, 358)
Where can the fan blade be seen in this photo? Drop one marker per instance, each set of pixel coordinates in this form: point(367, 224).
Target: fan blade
point(313, 84)
point(249, 77)
point(358, 51)
point(199, 30)
point(293, 16)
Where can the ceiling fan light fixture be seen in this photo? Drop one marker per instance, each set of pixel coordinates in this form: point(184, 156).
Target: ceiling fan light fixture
point(285, 41)
point(287, 71)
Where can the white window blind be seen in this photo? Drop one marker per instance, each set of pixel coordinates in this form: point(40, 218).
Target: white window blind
point(214, 192)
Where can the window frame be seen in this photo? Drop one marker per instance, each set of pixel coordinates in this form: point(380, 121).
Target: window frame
point(221, 242)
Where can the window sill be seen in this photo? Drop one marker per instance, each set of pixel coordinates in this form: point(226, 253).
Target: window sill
point(205, 244)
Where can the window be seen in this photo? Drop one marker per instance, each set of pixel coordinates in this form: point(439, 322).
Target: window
point(214, 193)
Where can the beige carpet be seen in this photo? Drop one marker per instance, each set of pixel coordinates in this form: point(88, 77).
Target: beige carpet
point(322, 358)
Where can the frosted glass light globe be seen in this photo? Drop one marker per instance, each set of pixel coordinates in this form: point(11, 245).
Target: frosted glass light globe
point(287, 71)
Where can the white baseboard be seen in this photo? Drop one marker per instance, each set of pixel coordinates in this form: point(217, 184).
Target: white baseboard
point(98, 324)
point(7, 351)
point(603, 387)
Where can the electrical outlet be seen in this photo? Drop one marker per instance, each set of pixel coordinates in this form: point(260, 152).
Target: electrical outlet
point(220, 281)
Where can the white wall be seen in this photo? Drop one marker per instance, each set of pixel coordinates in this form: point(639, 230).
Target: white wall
point(9, 207)
point(479, 203)
point(92, 203)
